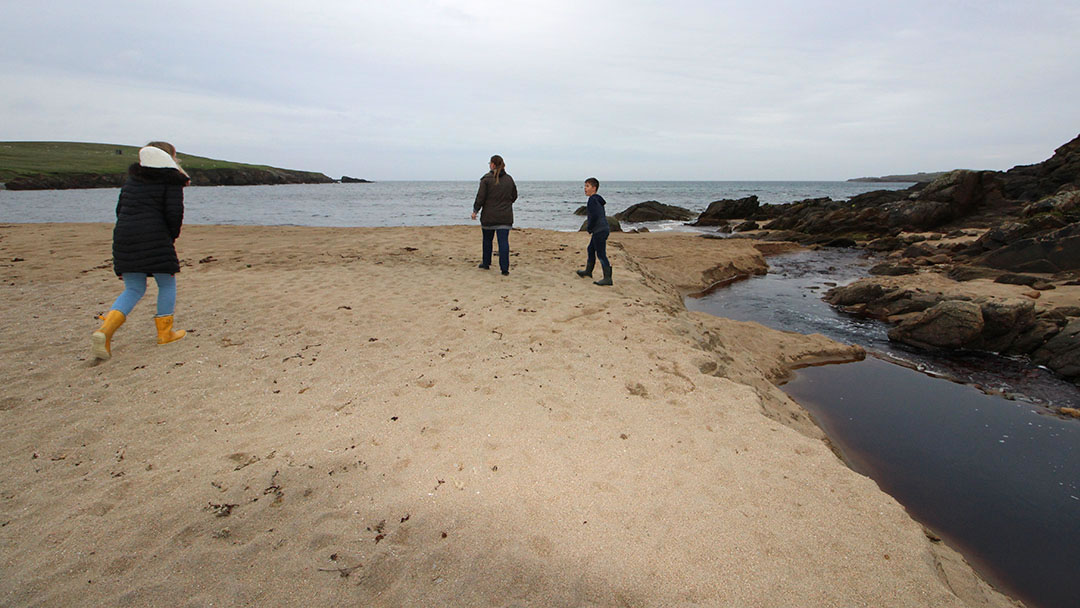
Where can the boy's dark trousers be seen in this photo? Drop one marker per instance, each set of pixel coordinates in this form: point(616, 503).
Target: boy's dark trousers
point(504, 248)
point(598, 249)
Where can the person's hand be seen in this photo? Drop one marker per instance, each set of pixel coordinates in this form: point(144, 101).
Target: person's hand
point(474, 215)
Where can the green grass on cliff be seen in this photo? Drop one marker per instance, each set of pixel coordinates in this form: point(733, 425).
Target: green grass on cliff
point(60, 157)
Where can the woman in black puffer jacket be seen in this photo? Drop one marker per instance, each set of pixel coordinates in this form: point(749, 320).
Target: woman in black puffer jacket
point(149, 215)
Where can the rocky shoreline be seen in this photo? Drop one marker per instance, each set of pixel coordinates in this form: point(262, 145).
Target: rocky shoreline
point(1019, 227)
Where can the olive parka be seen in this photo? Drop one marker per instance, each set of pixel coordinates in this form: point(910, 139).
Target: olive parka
point(495, 201)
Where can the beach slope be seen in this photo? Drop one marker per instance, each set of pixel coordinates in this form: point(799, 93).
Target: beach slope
point(361, 416)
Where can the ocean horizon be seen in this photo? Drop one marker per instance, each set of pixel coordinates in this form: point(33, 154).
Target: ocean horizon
point(541, 204)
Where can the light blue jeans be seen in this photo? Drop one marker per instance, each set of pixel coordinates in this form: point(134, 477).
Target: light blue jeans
point(135, 287)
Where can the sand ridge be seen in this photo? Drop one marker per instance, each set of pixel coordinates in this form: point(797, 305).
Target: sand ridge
point(363, 416)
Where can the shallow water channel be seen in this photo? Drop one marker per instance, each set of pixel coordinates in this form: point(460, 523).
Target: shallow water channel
point(968, 444)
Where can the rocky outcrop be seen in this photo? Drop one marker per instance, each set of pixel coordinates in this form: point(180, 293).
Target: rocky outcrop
point(888, 212)
point(718, 212)
point(345, 179)
point(245, 176)
point(613, 224)
point(1033, 182)
point(654, 211)
point(1050, 337)
point(1052, 252)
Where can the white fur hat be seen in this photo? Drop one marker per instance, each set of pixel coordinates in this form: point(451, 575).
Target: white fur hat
point(156, 158)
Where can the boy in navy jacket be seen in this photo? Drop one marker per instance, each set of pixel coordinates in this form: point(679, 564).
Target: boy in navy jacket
point(597, 226)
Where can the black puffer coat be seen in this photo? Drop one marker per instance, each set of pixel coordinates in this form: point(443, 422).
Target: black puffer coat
point(148, 219)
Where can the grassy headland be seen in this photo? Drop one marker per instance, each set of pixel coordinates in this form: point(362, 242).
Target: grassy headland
point(53, 162)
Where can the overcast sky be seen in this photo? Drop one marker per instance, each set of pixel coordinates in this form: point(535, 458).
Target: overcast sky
point(755, 90)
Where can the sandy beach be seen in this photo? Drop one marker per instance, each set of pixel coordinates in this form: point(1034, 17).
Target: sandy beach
point(360, 416)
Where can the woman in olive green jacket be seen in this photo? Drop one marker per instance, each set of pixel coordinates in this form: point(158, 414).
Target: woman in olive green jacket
point(495, 204)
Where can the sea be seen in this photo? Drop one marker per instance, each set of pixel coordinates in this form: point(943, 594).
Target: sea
point(540, 204)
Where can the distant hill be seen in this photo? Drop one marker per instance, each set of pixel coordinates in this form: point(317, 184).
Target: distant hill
point(917, 178)
point(46, 165)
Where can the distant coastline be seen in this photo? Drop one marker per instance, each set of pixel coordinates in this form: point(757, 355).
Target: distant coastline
point(918, 178)
point(51, 165)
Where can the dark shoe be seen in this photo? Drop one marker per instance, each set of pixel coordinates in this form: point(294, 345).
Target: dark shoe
point(505, 272)
point(588, 270)
point(607, 277)
point(484, 266)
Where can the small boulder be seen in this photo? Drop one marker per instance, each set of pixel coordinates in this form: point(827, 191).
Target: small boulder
point(1010, 278)
point(892, 270)
point(949, 324)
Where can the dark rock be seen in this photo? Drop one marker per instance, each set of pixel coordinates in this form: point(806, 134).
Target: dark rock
point(1068, 311)
point(1034, 336)
point(654, 211)
point(1010, 278)
point(1033, 182)
point(1044, 206)
point(889, 243)
point(728, 209)
point(840, 242)
point(1061, 353)
point(784, 235)
point(892, 270)
point(345, 179)
point(1003, 323)
point(859, 292)
point(66, 181)
point(613, 224)
point(969, 273)
point(1053, 252)
point(1001, 236)
point(750, 225)
point(252, 176)
point(900, 302)
point(919, 251)
point(582, 210)
point(949, 324)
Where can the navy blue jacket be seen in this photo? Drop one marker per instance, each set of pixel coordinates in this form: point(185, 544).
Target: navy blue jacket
point(597, 221)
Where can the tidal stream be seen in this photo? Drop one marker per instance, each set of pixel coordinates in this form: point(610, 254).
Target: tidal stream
point(969, 444)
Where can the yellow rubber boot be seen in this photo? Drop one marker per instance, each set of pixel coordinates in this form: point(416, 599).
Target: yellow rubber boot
point(165, 333)
point(101, 340)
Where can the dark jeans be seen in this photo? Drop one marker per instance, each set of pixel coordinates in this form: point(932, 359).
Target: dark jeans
point(598, 248)
point(504, 247)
